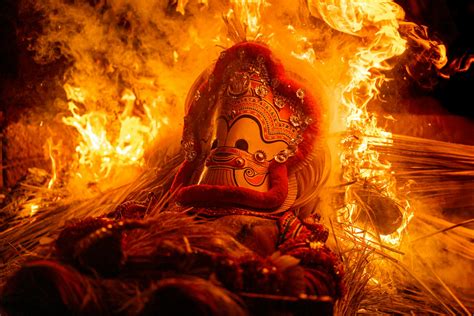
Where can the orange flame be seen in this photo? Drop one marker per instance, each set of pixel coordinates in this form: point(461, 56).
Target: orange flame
point(101, 150)
point(33, 209)
point(181, 5)
point(108, 139)
point(54, 176)
point(304, 49)
point(249, 13)
point(377, 22)
point(462, 64)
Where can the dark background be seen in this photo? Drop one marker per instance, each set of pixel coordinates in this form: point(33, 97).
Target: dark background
point(451, 21)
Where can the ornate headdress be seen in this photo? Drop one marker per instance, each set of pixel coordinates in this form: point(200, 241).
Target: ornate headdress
point(247, 93)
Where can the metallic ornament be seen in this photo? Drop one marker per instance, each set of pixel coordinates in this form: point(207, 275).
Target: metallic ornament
point(300, 94)
point(299, 139)
point(187, 144)
point(282, 156)
point(295, 120)
point(260, 156)
point(261, 91)
point(189, 151)
point(190, 156)
point(239, 84)
point(240, 162)
point(279, 102)
point(197, 95)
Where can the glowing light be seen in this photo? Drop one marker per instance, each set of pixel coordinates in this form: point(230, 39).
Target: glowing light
point(116, 135)
point(378, 23)
point(304, 49)
point(33, 209)
point(249, 13)
point(53, 165)
point(108, 140)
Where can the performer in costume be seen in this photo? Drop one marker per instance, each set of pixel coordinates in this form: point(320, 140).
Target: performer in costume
point(249, 139)
point(249, 136)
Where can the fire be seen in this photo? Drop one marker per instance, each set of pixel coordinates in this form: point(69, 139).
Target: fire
point(304, 49)
point(33, 209)
point(249, 13)
point(181, 5)
point(132, 63)
point(54, 175)
point(117, 132)
point(377, 22)
point(109, 140)
point(30, 208)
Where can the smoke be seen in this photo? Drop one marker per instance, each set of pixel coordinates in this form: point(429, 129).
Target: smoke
point(138, 58)
point(151, 49)
point(143, 46)
point(131, 63)
point(128, 65)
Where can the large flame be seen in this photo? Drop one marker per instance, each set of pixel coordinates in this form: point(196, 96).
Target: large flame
point(113, 139)
point(108, 141)
point(130, 64)
point(249, 13)
point(54, 169)
point(119, 112)
point(377, 23)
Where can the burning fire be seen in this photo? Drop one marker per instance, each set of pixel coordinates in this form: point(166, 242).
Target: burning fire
point(132, 66)
point(117, 134)
point(249, 13)
point(377, 23)
point(54, 175)
point(109, 140)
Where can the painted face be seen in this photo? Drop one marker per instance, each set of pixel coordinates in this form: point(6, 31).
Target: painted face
point(239, 155)
point(247, 128)
point(254, 127)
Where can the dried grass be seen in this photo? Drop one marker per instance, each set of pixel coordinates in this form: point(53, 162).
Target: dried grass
point(380, 279)
point(388, 281)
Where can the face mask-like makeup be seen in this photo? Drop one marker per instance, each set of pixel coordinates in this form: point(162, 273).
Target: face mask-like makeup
point(253, 127)
point(245, 127)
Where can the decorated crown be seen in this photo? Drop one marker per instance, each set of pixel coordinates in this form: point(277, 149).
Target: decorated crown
point(247, 80)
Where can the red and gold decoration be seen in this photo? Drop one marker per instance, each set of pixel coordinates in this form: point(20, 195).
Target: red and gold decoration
point(261, 127)
point(238, 157)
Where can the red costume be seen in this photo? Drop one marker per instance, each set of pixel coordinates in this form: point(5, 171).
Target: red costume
point(248, 132)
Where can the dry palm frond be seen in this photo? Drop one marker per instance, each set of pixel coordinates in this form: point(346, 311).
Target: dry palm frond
point(28, 232)
point(380, 279)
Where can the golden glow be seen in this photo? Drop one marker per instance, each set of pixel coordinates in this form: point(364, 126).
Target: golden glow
point(130, 65)
point(54, 175)
point(377, 22)
point(121, 95)
point(303, 49)
point(110, 140)
point(249, 13)
point(33, 209)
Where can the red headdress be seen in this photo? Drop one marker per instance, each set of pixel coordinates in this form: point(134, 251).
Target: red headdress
point(247, 80)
